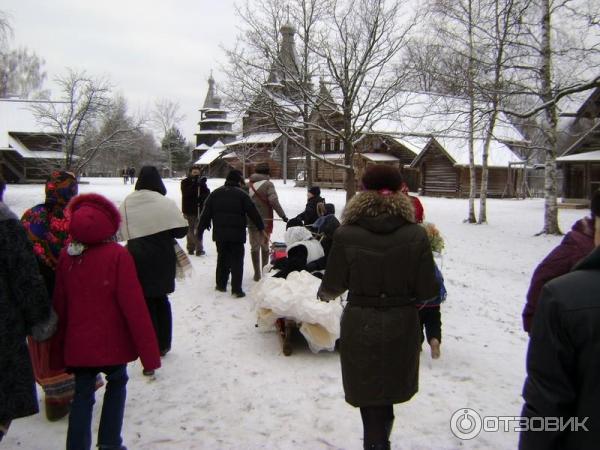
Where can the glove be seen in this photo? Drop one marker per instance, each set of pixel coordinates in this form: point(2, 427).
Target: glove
point(285, 219)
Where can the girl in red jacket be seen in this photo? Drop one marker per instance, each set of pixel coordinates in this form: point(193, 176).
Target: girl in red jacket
point(103, 320)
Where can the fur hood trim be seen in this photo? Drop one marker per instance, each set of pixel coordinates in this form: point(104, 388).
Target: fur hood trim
point(373, 204)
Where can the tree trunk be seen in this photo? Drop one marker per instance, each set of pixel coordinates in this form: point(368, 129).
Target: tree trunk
point(484, 169)
point(550, 179)
point(470, 88)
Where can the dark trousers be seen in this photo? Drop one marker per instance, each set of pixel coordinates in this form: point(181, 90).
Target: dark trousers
point(377, 425)
point(79, 434)
point(230, 259)
point(431, 319)
point(162, 319)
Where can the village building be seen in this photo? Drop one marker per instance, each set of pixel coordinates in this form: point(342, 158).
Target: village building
point(28, 151)
point(215, 130)
point(580, 155)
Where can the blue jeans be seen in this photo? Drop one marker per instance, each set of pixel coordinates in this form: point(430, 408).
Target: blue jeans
point(79, 435)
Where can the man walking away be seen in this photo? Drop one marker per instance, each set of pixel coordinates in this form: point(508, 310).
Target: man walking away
point(263, 194)
point(227, 208)
point(193, 194)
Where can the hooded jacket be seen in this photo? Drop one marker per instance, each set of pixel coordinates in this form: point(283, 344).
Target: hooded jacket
point(151, 222)
point(102, 316)
point(575, 246)
point(384, 261)
point(562, 360)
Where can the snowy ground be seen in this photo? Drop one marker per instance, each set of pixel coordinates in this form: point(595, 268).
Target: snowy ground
point(225, 385)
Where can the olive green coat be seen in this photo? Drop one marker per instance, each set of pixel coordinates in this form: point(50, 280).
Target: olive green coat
point(384, 260)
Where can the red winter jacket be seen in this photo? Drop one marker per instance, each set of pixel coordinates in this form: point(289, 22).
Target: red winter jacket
point(576, 245)
point(102, 315)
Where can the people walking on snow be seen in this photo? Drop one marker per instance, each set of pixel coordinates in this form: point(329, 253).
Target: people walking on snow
point(227, 208)
point(575, 246)
point(125, 175)
point(47, 226)
point(562, 360)
point(384, 260)
point(103, 322)
point(313, 204)
point(150, 224)
point(263, 194)
point(131, 174)
point(193, 194)
point(24, 302)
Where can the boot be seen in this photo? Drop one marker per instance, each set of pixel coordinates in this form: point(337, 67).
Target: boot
point(388, 427)
point(256, 264)
point(265, 257)
point(435, 348)
point(378, 446)
point(56, 411)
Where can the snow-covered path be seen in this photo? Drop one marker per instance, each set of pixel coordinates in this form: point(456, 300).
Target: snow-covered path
point(226, 385)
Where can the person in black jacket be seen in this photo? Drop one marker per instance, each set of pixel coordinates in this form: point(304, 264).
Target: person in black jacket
point(311, 211)
point(562, 360)
point(193, 194)
point(227, 208)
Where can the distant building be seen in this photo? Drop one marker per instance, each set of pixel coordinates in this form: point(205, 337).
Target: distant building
point(214, 124)
point(28, 152)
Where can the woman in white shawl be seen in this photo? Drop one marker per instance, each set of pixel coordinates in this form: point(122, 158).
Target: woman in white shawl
point(150, 224)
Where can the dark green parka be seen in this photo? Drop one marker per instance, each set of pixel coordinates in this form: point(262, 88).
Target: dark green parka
point(384, 260)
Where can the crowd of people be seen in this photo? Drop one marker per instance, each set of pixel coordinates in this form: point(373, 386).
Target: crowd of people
point(77, 304)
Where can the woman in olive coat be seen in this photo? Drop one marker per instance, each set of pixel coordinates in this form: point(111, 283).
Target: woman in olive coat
point(384, 261)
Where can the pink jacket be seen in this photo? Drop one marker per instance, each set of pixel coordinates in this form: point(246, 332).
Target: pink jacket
point(102, 315)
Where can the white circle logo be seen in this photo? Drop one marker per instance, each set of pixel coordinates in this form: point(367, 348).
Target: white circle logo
point(465, 424)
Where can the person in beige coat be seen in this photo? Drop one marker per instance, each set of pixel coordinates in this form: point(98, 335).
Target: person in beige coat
point(263, 194)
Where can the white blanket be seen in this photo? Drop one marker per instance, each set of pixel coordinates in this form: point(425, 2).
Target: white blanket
point(147, 212)
point(296, 298)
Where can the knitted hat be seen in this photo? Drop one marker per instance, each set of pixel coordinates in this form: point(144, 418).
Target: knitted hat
point(94, 218)
point(315, 190)
point(379, 177)
point(235, 176)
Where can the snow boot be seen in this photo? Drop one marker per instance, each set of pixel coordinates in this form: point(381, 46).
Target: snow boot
point(435, 348)
point(378, 446)
point(265, 258)
point(256, 264)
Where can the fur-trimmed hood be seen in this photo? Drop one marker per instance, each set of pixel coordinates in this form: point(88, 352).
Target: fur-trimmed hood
point(377, 212)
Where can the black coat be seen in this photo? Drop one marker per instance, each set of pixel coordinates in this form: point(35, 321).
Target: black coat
point(384, 261)
point(23, 303)
point(154, 257)
point(193, 194)
point(227, 208)
point(310, 214)
point(563, 366)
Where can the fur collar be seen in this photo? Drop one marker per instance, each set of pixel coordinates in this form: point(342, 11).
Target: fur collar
point(369, 204)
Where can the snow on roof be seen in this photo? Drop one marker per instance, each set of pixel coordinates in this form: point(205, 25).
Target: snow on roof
point(458, 149)
point(257, 138)
point(17, 117)
point(202, 147)
point(16, 145)
point(427, 114)
point(212, 120)
point(380, 157)
point(210, 155)
point(413, 143)
point(581, 157)
point(218, 132)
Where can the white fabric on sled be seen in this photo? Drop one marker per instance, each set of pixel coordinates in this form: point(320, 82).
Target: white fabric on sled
point(296, 298)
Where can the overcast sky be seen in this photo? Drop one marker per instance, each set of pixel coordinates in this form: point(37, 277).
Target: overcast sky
point(149, 49)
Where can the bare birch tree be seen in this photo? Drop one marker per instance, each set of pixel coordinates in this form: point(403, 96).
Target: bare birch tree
point(165, 116)
point(84, 102)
